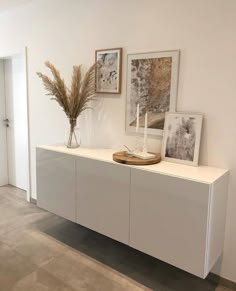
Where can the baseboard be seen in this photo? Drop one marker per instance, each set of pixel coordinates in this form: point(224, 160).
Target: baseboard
point(33, 201)
point(221, 281)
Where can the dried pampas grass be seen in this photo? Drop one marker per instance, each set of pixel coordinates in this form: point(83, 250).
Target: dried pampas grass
point(75, 100)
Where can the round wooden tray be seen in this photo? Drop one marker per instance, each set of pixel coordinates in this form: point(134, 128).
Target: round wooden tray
point(121, 157)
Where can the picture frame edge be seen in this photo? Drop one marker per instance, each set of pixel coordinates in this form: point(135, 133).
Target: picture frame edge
point(120, 49)
point(178, 52)
point(152, 52)
point(195, 162)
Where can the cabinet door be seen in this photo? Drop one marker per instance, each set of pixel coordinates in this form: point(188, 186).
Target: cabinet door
point(103, 197)
point(168, 219)
point(56, 183)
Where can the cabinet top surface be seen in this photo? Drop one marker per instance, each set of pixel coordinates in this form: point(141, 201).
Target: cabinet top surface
point(204, 174)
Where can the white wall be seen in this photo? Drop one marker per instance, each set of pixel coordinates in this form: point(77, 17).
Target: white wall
point(68, 32)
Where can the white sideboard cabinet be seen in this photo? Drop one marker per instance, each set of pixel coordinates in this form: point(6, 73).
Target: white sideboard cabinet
point(103, 197)
point(170, 219)
point(173, 212)
point(56, 183)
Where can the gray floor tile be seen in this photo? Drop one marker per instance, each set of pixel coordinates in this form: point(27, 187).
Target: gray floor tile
point(40, 251)
point(13, 267)
point(40, 280)
point(36, 246)
point(80, 271)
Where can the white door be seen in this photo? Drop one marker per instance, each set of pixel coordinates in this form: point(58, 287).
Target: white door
point(16, 113)
point(3, 142)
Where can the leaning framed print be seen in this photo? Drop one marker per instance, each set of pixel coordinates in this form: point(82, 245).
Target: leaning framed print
point(152, 81)
point(108, 70)
point(181, 139)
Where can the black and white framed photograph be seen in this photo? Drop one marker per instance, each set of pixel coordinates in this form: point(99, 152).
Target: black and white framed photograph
point(152, 81)
point(108, 70)
point(181, 139)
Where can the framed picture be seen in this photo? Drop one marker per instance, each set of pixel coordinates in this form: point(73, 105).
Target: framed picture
point(152, 80)
point(181, 140)
point(108, 70)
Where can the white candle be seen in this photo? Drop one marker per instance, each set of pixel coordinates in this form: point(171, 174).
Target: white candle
point(145, 134)
point(137, 118)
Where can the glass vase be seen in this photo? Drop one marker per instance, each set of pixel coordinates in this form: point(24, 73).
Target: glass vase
point(72, 140)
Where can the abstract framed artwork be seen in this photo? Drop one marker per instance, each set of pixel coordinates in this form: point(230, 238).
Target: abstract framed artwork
point(108, 70)
point(181, 139)
point(152, 81)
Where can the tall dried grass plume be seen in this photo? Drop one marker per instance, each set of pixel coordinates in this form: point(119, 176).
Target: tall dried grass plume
point(74, 100)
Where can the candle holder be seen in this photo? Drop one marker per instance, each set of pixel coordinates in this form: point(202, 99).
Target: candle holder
point(145, 147)
point(137, 144)
point(136, 152)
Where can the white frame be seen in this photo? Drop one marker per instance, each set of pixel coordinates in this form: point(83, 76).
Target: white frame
point(199, 119)
point(175, 54)
point(6, 53)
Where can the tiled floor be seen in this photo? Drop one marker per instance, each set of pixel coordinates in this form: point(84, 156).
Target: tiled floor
point(40, 251)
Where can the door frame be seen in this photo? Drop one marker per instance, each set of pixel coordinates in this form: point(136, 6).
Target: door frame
point(9, 54)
